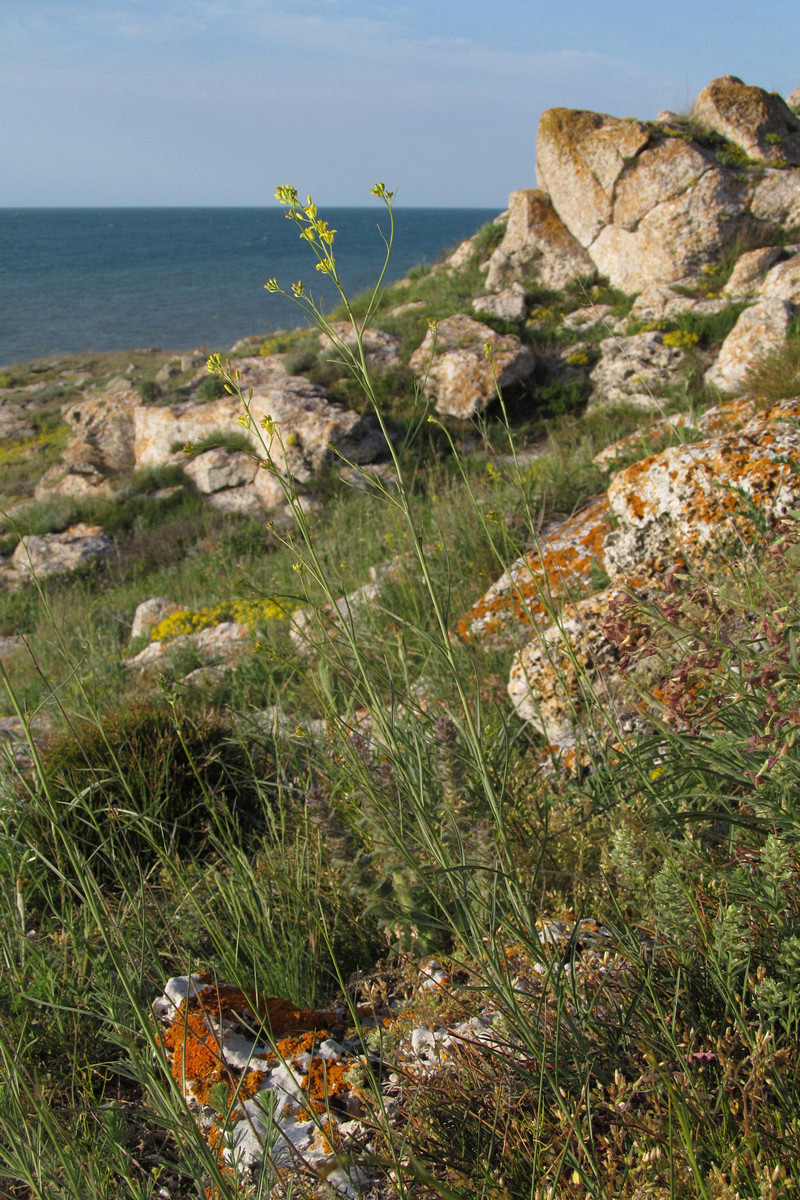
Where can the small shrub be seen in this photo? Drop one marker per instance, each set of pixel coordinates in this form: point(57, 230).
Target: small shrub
point(149, 391)
point(210, 388)
point(145, 782)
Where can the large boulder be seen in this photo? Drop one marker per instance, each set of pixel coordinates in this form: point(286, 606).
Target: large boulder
point(537, 246)
point(579, 158)
point(685, 499)
point(508, 305)
point(678, 237)
point(218, 468)
point(460, 379)
point(758, 122)
point(561, 565)
point(748, 274)
point(101, 446)
point(56, 553)
point(760, 330)
point(381, 349)
point(661, 172)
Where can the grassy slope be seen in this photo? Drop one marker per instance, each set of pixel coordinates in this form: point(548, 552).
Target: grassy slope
point(115, 874)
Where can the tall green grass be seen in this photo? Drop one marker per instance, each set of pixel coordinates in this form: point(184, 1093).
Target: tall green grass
point(656, 1057)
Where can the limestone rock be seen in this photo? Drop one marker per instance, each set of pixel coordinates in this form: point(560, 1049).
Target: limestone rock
point(76, 483)
point(760, 330)
point(460, 379)
point(102, 433)
point(677, 238)
point(776, 199)
point(56, 553)
point(224, 643)
point(643, 441)
point(194, 360)
point(748, 274)
point(685, 499)
point(635, 370)
point(793, 100)
point(508, 305)
point(537, 246)
point(661, 172)
point(783, 281)
point(245, 500)
point(565, 681)
point(149, 613)
point(14, 426)
point(579, 158)
point(218, 468)
point(168, 371)
point(758, 122)
point(461, 256)
point(589, 317)
point(661, 302)
point(381, 349)
point(526, 594)
point(307, 422)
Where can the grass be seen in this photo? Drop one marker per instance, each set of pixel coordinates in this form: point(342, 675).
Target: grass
point(168, 831)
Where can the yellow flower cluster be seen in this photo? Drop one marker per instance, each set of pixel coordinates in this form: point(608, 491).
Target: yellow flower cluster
point(282, 341)
point(541, 314)
point(246, 612)
point(681, 338)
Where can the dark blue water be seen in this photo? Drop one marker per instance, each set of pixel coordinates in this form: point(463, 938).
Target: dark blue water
point(115, 278)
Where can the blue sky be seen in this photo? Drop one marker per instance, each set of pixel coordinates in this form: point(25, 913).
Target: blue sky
point(175, 102)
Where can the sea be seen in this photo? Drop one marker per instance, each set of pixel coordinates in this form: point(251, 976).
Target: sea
point(89, 279)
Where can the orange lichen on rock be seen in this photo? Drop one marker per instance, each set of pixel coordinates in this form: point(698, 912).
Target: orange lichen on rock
point(196, 1058)
point(324, 1079)
point(561, 566)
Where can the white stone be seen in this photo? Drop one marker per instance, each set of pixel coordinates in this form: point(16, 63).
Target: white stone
point(760, 330)
point(783, 281)
point(508, 305)
point(459, 378)
point(537, 247)
point(219, 468)
point(637, 367)
point(149, 613)
point(748, 274)
point(56, 553)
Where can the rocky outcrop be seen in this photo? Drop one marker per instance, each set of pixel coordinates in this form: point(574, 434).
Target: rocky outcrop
point(381, 349)
point(216, 469)
point(223, 644)
point(565, 683)
point(748, 274)
point(537, 246)
point(686, 503)
point(782, 282)
point(652, 203)
point(459, 377)
point(758, 122)
point(678, 236)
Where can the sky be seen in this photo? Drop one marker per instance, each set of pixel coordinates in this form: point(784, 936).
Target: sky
point(216, 102)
